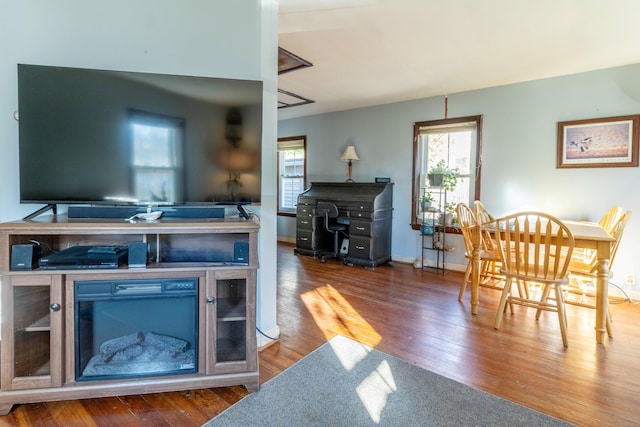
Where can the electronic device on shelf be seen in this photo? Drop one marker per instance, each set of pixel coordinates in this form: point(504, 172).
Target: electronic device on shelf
point(85, 257)
point(25, 256)
point(105, 250)
point(243, 212)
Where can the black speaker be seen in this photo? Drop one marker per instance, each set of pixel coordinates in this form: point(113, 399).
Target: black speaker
point(241, 252)
point(25, 257)
point(197, 211)
point(138, 254)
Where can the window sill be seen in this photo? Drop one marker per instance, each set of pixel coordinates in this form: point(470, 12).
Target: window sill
point(449, 229)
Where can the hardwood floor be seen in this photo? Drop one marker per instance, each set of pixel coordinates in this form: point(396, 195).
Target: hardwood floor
point(414, 315)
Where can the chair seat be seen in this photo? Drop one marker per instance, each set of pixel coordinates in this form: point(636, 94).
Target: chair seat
point(579, 267)
point(485, 255)
point(336, 227)
point(532, 276)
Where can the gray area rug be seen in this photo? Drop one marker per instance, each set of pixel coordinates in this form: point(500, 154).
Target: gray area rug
point(345, 383)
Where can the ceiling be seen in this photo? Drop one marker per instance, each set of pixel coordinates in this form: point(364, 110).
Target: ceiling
point(370, 52)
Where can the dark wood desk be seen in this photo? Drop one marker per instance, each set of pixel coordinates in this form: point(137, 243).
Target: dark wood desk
point(365, 207)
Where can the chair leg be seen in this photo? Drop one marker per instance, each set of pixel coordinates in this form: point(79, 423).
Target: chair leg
point(562, 316)
point(336, 249)
point(463, 286)
point(485, 273)
point(503, 302)
point(523, 289)
point(544, 298)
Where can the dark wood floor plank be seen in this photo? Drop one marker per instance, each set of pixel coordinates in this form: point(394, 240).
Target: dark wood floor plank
point(35, 414)
point(414, 315)
point(111, 412)
point(206, 402)
point(143, 412)
point(229, 395)
point(177, 408)
point(70, 414)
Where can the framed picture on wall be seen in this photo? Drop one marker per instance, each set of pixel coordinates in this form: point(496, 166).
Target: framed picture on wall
point(598, 143)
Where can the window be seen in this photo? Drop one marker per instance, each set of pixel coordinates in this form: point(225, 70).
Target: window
point(292, 172)
point(156, 151)
point(456, 142)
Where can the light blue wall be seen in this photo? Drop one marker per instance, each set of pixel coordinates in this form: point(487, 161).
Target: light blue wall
point(235, 39)
point(519, 152)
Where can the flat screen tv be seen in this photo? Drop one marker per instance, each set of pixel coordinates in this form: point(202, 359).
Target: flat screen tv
point(90, 136)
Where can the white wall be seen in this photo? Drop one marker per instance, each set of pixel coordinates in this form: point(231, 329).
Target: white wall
point(267, 277)
point(519, 152)
point(200, 37)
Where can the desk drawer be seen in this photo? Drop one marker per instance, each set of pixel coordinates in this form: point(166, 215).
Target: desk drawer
point(304, 222)
point(304, 210)
point(360, 228)
point(305, 240)
point(359, 206)
point(360, 247)
point(361, 214)
point(313, 240)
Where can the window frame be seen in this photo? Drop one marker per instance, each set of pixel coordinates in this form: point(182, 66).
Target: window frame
point(176, 169)
point(417, 156)
point(303, 138)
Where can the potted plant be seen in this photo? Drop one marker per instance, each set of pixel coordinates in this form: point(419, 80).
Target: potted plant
point(425, 202)
point(444, 177)
point(449, 216)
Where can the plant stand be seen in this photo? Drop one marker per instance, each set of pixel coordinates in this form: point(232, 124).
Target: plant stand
point(432, 231)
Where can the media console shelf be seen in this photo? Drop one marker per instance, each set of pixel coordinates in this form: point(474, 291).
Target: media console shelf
point(200, 271)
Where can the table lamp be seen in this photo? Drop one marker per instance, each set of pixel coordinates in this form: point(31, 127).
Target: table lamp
point(349, 155)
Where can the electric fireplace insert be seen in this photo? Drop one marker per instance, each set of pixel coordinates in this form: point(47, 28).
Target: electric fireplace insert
point(135, 328)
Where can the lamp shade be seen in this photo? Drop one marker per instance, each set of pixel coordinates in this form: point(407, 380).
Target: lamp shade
point(349, 154)
point(237, 160)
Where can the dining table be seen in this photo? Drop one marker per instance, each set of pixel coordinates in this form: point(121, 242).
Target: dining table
point(588, 235)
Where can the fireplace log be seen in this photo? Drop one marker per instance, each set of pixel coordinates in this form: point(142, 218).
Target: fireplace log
point(132, 345)
point(166, 343)
point(111, 347)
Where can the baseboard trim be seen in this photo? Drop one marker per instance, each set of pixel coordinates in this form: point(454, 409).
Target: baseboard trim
point(263, 341)
point(286, 239)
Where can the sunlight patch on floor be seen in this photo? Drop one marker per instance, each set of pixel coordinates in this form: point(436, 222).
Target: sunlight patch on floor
point(349, 358)
point(334, 315)
point(376, 389)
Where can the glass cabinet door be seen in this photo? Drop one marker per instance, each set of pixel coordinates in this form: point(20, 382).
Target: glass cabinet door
point(32, 332)
point(233, 322)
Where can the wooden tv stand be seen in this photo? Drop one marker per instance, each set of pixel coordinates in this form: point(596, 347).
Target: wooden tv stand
point(38, 344)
